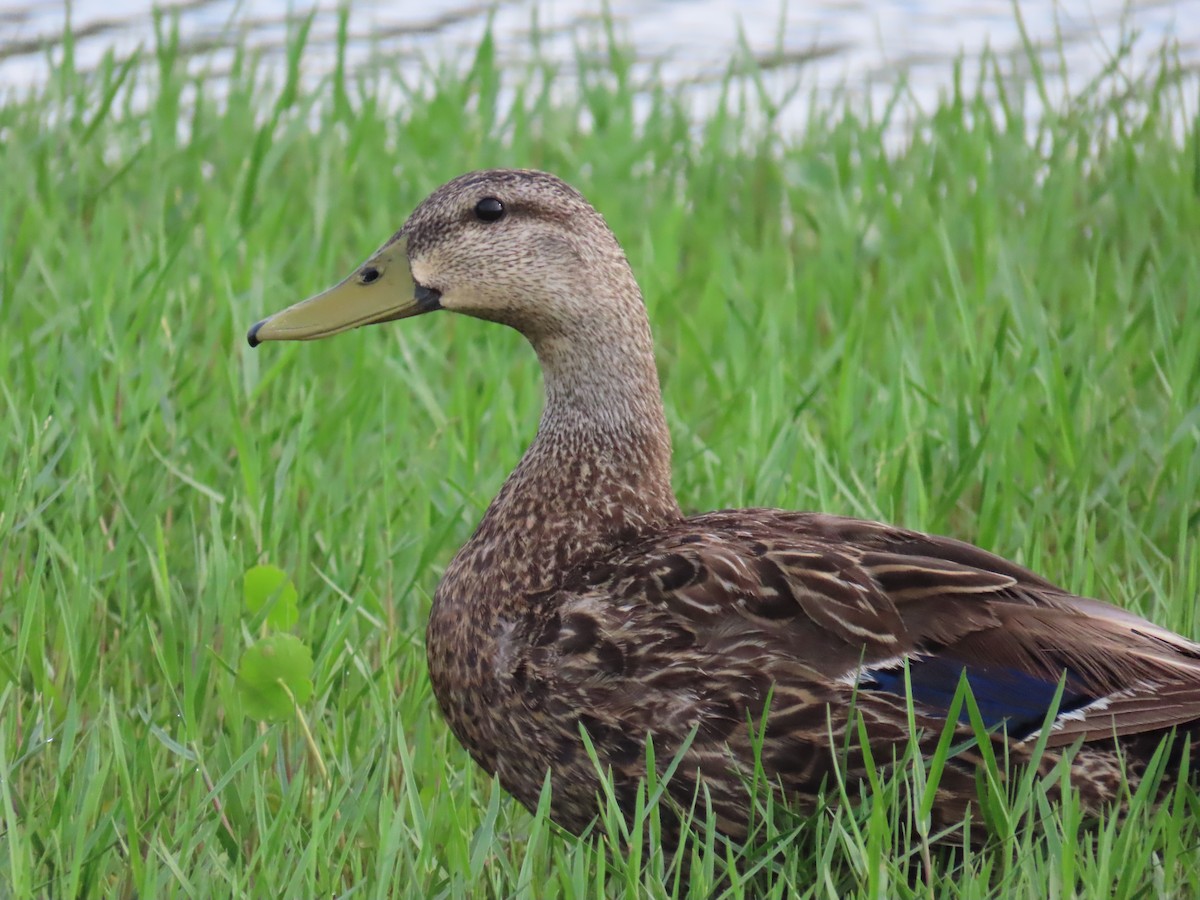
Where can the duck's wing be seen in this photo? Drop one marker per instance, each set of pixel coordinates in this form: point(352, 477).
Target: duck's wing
point(804, 604)
point(1017, 638)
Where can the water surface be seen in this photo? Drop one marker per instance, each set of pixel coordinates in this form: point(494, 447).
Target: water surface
point(867, 47)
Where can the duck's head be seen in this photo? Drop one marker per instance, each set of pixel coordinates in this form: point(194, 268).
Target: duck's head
point(513, 246)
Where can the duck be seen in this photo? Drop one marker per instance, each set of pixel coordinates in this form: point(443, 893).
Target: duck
point(588, 626)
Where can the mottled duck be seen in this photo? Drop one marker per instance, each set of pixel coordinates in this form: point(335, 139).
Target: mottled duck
point(587, 601)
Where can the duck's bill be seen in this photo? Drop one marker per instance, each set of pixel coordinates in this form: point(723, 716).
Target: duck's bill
point(380, 290)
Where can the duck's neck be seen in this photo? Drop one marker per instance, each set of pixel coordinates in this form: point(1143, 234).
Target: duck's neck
point(598, 473)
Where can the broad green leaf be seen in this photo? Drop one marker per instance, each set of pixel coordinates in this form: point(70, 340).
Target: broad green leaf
point(272, 663)
point(269, 586)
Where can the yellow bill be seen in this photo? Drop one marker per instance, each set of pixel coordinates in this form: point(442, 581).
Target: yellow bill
point(380, 290)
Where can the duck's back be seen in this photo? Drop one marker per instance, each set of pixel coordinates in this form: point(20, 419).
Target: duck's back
point(688, 635)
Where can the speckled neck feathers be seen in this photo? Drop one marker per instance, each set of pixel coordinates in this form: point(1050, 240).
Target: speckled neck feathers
point(598, 472)
point(597, 476)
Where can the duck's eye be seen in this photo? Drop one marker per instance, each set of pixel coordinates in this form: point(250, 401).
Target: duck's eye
point(368, 275)
point(489, 209)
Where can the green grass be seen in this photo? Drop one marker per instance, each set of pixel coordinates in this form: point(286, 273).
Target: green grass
point(993, 332)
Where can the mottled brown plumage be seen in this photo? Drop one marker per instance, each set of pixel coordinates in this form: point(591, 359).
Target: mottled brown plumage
point(586, 600)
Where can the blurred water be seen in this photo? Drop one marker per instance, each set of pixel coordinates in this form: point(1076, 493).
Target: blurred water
point(866, 47)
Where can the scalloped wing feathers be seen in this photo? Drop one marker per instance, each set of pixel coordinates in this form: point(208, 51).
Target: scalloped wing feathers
point(701, 625)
